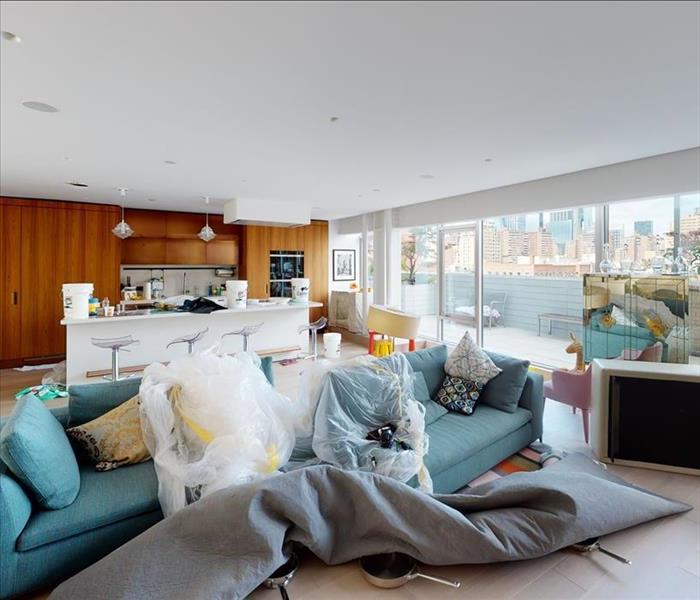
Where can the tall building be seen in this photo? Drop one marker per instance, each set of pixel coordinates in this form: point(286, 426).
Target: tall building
point(690, 224)
point(561, 226)
point(616, 238)
point(644, 227)
point(514, 222)
point(491, 243)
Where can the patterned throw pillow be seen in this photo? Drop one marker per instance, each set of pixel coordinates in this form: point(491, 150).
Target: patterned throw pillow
point(459, 395)
point(470, 362)
point(114, 439)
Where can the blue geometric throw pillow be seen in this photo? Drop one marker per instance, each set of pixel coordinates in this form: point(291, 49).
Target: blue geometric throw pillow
point(459, 395)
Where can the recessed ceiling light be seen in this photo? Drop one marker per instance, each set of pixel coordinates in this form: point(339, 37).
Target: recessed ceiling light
point(11, 37)
point(76, 184)
point(333, 119)
point(151, 199)
point(169, 162)
point(488, 160)
point(427, 176)
point(40, 106)
point(376, 190)
point(67, 158)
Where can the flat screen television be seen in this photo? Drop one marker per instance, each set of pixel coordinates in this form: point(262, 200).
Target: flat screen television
point(654, 421)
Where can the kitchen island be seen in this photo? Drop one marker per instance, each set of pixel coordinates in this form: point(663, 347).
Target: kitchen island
point(155, 329)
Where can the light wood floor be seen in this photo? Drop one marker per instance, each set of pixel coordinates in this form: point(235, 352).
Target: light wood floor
point(665, 554)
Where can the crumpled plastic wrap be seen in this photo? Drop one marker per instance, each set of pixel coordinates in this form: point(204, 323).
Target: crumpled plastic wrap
point(360, 396)
point(213, 421)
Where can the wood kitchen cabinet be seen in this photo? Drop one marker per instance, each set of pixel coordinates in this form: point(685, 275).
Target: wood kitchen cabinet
point(44, 245)
point(170, 238)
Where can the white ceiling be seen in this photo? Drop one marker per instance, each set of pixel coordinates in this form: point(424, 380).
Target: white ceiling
point(240, 96)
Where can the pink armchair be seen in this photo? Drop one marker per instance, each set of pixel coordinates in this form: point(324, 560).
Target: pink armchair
point(572, 388)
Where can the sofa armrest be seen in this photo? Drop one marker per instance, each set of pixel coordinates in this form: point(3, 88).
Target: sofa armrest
point(532, 398)
point(15, 510)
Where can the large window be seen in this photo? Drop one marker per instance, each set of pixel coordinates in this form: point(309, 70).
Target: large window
point(531, 269)
point(419, 276)
point(532, 280)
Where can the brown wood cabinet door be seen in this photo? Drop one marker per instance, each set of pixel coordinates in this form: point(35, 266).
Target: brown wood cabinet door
point(185, 252)
point(10, 280)
point(145, 223)
point(143, 251)
point(316, 265)
point(45, 267)
point(222, 252)
point(183, 225)
point(257, 260)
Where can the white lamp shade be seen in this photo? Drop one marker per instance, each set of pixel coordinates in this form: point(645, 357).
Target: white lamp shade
point(393, 322)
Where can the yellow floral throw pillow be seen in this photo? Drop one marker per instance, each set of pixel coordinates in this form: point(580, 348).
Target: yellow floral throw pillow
point(114, 439)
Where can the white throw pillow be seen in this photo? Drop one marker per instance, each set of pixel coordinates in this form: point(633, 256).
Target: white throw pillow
point(468, 361)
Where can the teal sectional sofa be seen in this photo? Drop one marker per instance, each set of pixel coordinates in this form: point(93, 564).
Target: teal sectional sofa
point(40, 547)
point(463, 447)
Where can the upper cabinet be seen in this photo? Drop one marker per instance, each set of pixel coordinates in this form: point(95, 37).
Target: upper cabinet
point(171, 238)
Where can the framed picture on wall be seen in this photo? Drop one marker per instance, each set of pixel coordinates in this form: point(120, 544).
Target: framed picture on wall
point(344, 265)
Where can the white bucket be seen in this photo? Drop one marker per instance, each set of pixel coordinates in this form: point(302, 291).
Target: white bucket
point(75, 300)
point(237, 293)
point(331, 345)
point(300, 290)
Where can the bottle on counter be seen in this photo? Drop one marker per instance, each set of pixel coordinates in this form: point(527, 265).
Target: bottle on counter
point(93, 305)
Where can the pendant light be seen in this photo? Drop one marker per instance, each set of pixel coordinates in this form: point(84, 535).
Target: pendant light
point(207, 233)
point(122, 229)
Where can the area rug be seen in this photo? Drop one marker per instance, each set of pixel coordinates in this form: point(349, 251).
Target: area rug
point(532, 458)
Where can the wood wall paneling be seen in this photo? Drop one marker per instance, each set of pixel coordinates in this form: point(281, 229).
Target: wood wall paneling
point(183, 225)
point(10, 282)
point(221, 252)
point(146, 223)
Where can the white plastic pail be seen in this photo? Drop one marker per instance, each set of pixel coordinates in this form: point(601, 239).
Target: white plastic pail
point(331, 345)
point(300, 289)
point(75, 300)
point(237, 293)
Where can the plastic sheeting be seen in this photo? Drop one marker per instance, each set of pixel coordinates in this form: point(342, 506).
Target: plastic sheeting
point(213, 421)
point(359, 397)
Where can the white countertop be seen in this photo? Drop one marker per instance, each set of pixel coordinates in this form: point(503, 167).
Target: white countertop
point(156, 314)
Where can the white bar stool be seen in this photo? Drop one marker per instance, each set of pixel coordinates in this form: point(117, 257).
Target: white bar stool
point(246, 332)
point(314, 329)
point(116, 345)
point(190, 339)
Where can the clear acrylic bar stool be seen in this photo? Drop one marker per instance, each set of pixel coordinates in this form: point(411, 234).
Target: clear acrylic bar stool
point(190, 339)
point(116, 345)
point(314, 329)
point(246, 332)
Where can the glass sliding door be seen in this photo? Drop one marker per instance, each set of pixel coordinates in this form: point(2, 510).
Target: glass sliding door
point(458, 290)
point(419, 277)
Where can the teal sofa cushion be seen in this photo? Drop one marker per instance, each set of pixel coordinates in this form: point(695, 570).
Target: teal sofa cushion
point(266, 367)
point(433, 411)
point(430, 362)
point(455, 437)
point(504, 390)
point(104, 498)
point(91, 400)
point(34, 446)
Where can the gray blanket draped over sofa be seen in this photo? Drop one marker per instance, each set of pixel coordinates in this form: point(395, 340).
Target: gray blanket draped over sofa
point(226, 544)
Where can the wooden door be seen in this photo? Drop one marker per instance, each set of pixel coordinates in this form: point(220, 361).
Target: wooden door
point(10, 280)
point(44, 264)
point(102, 252)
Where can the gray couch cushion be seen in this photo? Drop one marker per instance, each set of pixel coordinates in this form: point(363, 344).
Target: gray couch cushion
point(92, 400)
point(104, 498)
point(504, 390)
point(433, 410)
point(455, 437)
point(430, 362)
